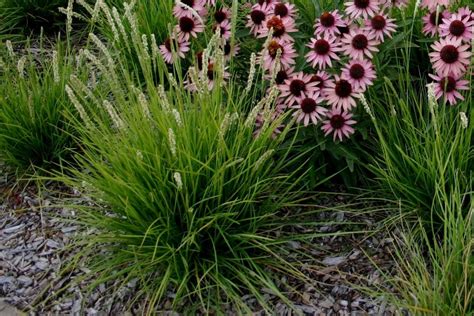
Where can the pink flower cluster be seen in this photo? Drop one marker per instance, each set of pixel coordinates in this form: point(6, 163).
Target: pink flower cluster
point(191, 17)
point(451, 53)
point(329, 93)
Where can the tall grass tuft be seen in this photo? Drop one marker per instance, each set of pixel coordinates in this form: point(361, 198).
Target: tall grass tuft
point(34, 132)
point(437, 278)
point(424, 147)
point(190, 197)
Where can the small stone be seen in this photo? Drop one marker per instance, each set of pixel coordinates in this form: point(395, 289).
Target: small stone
point(354, 255)
point(327, 303)
point(13, 229)
point(52, 244)
point(25, 281)
point(42, 265)
point(306, 309)
point(334, 261)
point(343, 303)
point(6, 280)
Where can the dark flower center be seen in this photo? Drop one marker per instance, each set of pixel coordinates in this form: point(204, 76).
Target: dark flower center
point(186, 24)
point(273, 48)
point(278, 27)
point(360, 41)
point(361, 4)
point(357, 71)
point(260, 2)
point(199, 60)
point(337, 121)
point(343, 88)
point(257, 16)
point(327, 19)
point(227, 48)
point(449, 54)
point(319, 80)
point(457, 28)
point(378, 22)
point(210, 71)
point(220, 16)
point(436, 18)
point(297, 86)
point(448, 84)
point(308, 105)
point(281, 76)
point(168, 44)
point(281, 10)
point(189, 3)
point(321, 47)
point(343, 30)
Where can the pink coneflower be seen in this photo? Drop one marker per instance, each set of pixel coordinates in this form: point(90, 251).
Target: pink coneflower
point(466, 12)
point(359, 43)
point(298, 85)
point(189, 26)
point(456, 27)
point(225, 28)
point(284, 10)
point(170, 46)
point(329, 23)
point(339, 123)
point(432, 20)
point(281, 27)
point(308, 108)
point(282, 75)
point(448, 86)
point(450, 56)
point(287, 57)
point(321, 78)
point(364, 8)
point(182, 9)
point(433, 4)
point(230, 51)
point(211, 2)
point(341, 93)
point(360, 73)
point(222, 15)
point(323, 50)
point(257, 17)
point(380, 25)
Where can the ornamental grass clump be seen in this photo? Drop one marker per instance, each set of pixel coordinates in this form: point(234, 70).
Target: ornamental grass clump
point(34, 132)
point(190, 196)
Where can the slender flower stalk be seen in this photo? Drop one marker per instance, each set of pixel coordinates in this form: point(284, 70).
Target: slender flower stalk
point(253, 62)
point(177, 117)
point(114, 115)
point(164, 99)
point(178, 180)
point(20, 66)
point(172, 141)
point(10, 50)
point(80, 109)
point(55, 67)
point(464, 120)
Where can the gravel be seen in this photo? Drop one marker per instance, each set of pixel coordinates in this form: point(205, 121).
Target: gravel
point(34, 240)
